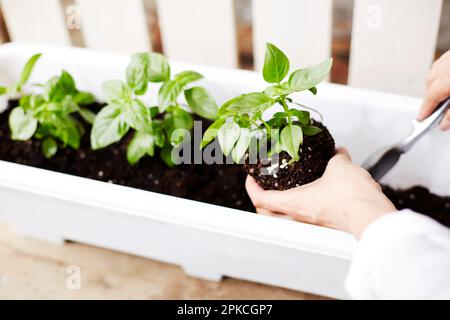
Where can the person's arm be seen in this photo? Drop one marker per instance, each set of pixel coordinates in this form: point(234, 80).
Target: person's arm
point(399, 255)
point(438, 89)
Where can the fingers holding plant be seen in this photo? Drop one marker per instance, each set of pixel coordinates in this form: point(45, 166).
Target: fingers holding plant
point(437, 89)
point(345, 198)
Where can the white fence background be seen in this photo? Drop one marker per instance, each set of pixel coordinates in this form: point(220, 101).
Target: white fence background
point(392, 48)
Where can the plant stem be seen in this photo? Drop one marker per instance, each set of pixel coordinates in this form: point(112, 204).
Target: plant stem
point(268, 129)
point(286, 109)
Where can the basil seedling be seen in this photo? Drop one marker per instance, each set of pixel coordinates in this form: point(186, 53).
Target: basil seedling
point(49, 115)
point(154, 126)
point(246, 110)
point(16, 88)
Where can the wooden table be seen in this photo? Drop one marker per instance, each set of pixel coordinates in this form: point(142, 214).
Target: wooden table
point(33, 269)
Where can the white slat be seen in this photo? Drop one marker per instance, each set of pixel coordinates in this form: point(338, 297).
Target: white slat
point(201, 31)
point(36, 21)
point(114, 25)
point(301, 28)
point(393, 44)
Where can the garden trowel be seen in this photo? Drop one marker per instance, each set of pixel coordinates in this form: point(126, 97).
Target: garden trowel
point(382, 161)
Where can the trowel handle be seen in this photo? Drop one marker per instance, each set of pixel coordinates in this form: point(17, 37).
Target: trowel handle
point(437, 115)
point(422, 127)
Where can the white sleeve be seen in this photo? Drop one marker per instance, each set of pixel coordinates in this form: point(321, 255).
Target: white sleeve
point(402, 255)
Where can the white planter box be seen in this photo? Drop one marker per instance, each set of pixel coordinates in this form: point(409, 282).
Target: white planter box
point(210, 241)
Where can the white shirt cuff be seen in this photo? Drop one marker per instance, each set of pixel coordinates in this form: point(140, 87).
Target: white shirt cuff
point(378, 244)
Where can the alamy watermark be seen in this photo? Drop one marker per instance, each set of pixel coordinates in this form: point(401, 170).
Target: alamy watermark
point(73, 18)
point(73, 281)
point(259, 148)
point(373, 17)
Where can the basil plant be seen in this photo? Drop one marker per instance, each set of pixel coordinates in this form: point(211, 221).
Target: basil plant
point(241, 118)
point(154, 126)
point(50, 114)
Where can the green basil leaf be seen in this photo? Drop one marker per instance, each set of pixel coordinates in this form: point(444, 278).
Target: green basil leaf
point(137, 115)
point(170, 90)
point(224, 111)
point(166, 155)
point(178, 119)
point(243, 121)
point(58, 87)
point(73, 136)
point(305, 79)
point(49, 147)
point(158, 69)
point(154, 111)
point(188, 76)
point(28, 68)
point(228, 135)
point(147, 67)
point(179, 136)
point(201, 102)
point(136, 73)
point(67, 83)
point(87, 115)
point(158, 133)
point(31, 102)
point(22, 124)
point(278, 120)
point(168, 94)
point(242, 145)
point(3, 90)
point(51, 90)
point(65, 128)
point(291, 139)
point(251, 103)
point(311, 130)
point(109, 127)
point(278, 90)
point(212, 132)
point(302, 116)
point(141, 144)
point(313, 90)
point(84, 98)
point(116, 91)
point(67, 105)
point(276, 64)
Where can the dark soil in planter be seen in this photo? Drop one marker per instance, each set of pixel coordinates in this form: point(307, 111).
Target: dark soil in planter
point(216, 184)
point(420, 199)
point(315, 152)
point(219, 184)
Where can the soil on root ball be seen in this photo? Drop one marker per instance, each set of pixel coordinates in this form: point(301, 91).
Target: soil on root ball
point(315, 152)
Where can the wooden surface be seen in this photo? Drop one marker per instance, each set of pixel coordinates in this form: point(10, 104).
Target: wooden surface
point(32, 269)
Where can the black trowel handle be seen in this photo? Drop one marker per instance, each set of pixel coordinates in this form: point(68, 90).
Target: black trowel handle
point(422, 127)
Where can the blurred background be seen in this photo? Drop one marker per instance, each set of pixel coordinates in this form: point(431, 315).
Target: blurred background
point(342, 18)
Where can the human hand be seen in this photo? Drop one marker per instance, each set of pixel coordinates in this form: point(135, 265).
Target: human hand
point(438, 89)
point(345, 198)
